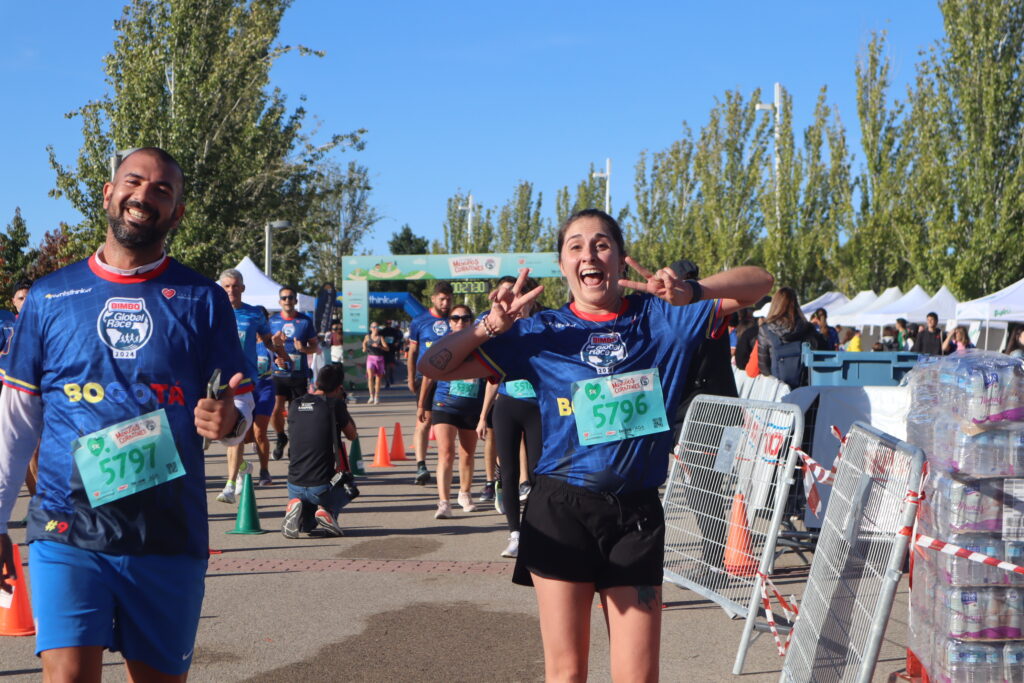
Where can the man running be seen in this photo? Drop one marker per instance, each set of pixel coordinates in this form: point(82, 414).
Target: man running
point(423, 331)
point(298, 335)
point(252, 327)
point(114, 356)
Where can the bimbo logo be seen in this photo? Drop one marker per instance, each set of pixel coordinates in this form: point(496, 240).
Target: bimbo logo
point(440, 328)
point(125, 326)
point(603, 351)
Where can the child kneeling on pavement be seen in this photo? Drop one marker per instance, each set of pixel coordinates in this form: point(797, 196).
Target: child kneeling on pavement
point(316, 491)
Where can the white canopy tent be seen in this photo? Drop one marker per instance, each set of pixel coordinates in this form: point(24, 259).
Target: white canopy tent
point(830, 301)
point(260, 290)
point(863, 299)
point(943, 304)
point(1006, 304)
point(886, 315)
point(887, 297)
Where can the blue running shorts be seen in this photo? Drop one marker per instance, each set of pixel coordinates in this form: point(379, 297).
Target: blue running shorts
point(263, 396)
point(145, 606)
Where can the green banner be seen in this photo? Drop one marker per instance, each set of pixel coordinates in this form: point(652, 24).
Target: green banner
point(448, 266)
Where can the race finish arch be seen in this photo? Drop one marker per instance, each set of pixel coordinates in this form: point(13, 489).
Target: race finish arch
point(358, 271)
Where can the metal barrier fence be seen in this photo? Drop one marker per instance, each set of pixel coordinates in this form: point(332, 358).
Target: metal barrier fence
point(858, 561)
point(727, 489)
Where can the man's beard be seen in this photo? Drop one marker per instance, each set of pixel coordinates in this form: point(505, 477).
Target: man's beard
point(137, 237)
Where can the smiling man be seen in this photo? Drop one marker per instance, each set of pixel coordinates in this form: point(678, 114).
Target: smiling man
point(114, 355)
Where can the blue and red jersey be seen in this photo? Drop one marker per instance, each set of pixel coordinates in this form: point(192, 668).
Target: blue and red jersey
point(300, 327)
point(425, 329)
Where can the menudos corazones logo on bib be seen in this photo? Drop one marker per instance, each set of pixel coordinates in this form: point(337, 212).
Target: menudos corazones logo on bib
point(124, 325)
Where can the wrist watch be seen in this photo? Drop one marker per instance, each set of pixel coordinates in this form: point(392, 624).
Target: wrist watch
point(696, 289)
point(240, 427)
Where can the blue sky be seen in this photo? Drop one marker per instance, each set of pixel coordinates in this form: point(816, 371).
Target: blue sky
point(475, 96)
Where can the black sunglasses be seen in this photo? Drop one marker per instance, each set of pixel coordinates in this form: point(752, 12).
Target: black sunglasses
point(460, 318)
point(288, 298)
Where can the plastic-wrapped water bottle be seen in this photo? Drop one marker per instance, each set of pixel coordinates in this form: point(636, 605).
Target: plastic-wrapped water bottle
point(1013, 663)
point(973, 662)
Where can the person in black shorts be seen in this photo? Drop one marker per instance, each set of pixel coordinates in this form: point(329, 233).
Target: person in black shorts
point(454, 410)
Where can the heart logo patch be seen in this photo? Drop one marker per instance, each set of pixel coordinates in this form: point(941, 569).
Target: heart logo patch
point(168, 293)
point(592, 391)
point(95, 445)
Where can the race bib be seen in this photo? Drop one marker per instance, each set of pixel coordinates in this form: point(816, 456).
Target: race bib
point(127, 457)
point(520, 388)
point(298, 360)
point(262, 365)
point(464, 389)
point(618, 407)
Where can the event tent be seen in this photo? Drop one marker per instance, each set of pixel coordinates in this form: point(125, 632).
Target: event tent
point(1006, 304)
point(884, 299)
point(830, 301)
point(862, 300)
point(886, 315)
point(260, 290)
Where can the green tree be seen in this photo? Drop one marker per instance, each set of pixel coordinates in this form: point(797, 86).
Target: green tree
point(16, 258)
point(457, 238)
point(519, 223)
point(405, 241)
point(193, 77)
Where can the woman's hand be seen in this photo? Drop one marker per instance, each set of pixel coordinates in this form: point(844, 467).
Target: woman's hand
point(422, 415)
point(511, 303)
point(481, 428)
point(664, 284)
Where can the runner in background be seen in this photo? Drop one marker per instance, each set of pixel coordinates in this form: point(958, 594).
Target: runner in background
point(393, 336)
point(454, 410)
point(423, 331)
point(375, 347)
point(263, 397)
point(608, 369)
point(6, 334)
point(296, 332)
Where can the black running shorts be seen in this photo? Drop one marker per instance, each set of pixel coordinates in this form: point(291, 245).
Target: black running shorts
point(460, 420)
point(290, 388)
point(574, 534)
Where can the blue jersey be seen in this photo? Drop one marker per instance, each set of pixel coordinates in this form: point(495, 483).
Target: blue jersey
point(554, 348)
point(264, 360)
point(100, 348)
point(300, 327)
point(463, 397)
point(251, 324)
point(6, 332)
point(425, 329)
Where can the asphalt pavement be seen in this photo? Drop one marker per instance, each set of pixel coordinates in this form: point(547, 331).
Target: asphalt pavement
point(405, 597)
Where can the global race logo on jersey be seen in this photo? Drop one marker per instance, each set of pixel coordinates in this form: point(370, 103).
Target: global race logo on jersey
point(440, 328)
point(288, 329)
point(124, 325)
point(603, 351)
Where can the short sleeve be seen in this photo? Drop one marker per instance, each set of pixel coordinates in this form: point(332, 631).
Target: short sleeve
point(508, 355)
point(22, 360)
point(224, 351)
point(309, 329)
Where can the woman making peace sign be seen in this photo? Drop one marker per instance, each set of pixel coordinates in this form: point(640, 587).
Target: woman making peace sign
point(608, 369)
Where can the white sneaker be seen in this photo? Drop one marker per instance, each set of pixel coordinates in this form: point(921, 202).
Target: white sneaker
point(466, 501)
point(369, 400)
point(444, 510)
point(513, 545)
point(376, 400)
point(240, 477)
point(227, 495)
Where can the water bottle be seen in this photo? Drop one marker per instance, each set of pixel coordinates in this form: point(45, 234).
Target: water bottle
point(1013, 663)
point(972, 663)
point(1013, 613)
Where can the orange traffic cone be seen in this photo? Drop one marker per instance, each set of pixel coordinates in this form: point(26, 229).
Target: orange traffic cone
point(397, 444)
point(433, 437)
point(381, 457)
point(16, 620)
point(739, 560)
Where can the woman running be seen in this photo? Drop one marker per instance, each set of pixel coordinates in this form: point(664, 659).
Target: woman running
point(515, 422)
point(454, 409)
point(376, 348)
point(608, 369)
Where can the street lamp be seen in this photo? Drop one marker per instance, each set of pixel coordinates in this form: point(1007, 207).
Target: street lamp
point(275, 225)
point(468, 208)
point(607, 175)
point(776, 110)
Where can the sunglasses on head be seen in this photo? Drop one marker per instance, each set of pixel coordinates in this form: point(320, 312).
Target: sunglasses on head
point(460, 318)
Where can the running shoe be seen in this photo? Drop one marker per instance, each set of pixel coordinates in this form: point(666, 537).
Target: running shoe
point(466, 501)
point(422, 474)
point(265, 479)
point(282, 441)
point(444, 510)
point(228, 494)
point(240, 477)
point(499, 501)
point(292, 519)
point(369, 400)
point(326, 521)
point(524, 491)
point(513, 545)
point(487, 494)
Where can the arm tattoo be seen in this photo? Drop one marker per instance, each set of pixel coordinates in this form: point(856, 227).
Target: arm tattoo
point(441, 360)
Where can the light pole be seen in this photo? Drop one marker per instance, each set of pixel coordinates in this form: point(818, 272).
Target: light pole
point(275, 225)
point(776, 110)
point(607, 175)
point(468, 208)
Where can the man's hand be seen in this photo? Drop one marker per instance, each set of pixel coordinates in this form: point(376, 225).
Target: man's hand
point(215, 417)
point(8, 571)
point(412, 384)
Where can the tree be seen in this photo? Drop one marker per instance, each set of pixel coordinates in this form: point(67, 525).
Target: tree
point(405, 241)
point(457, 238)
point(57, 249)
point(192, 76)
point(16, 257)
point(519, 223)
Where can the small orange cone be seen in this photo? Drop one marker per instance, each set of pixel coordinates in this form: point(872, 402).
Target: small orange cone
point(432, 435)
point(397, 444)
point(16, 620)
point(381, 457)
point(739, 560)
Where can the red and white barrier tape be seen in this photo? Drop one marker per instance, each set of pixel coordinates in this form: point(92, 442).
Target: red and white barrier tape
point(790, 611)
point(970, 555)
point(813, 473)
